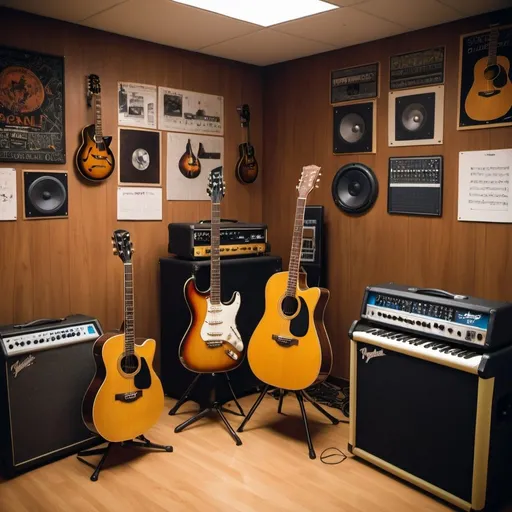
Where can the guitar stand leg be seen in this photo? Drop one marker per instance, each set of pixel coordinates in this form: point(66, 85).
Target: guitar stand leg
point(234, 398)
point(318, 407)
point(253, 409)
point(312, 454)
point(189, 422)
point(146, 443)
point(185, 396)
point(96, 451)
point(280, 406)
point(232, 433)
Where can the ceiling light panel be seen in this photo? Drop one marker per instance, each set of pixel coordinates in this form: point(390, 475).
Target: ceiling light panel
point(262, 12)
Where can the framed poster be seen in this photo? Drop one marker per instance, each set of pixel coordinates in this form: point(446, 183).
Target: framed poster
point(190, 112)
point(31, 107)
point(136, 105)
point(139, 157)
point(417, 69)
point(485, 84)
point(356, 83)
point(190, 158)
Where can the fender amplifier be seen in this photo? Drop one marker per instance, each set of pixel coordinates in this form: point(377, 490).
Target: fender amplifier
point(46, 368)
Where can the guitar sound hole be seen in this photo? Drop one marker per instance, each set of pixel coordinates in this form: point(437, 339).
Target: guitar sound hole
point(289, 306)
point(129, 364)
point(491, 72)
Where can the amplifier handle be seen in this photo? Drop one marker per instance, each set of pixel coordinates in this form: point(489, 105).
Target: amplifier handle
point(42, 321)
point(208, 221)
point(438, 293)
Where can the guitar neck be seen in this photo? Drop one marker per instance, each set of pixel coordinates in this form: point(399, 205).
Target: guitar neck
point(215, 254)
point(493, 46)
point(293, 270)
point(129, 310)
point(98, 129)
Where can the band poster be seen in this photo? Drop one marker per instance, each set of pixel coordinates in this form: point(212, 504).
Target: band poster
point(355, 83)
point(417, 69)
point(190, 112)
point(137, 105)
point(31, 107)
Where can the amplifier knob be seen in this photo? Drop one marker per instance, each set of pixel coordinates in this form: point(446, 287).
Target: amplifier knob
point(479, 336)
point(450, 330)
point(22, 344)
point(394, 318)
point(441, 327)
point(28, 342)
point(10, 347)
point(53, 338)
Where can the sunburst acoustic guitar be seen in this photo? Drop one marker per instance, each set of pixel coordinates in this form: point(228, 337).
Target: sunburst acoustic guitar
point(125, 398)
point(246, 166)
point(289, 348)
point(94, 158)
point(490, 96)
point(212, 343)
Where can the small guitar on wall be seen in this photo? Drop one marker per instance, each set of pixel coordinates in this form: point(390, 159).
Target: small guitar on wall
point(247, 166)
point(490, 96)
point(94, 159)
point(212, 343)
point(289, 348)
point(189, 164)
point(125, 398)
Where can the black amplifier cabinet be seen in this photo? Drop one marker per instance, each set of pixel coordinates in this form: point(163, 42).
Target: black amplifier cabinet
point(192, 241)
point(313, 257)
point(437, 417)
point(45, 371)
point(245, 275)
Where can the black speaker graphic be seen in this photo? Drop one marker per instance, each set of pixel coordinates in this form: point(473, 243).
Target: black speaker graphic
point(355, 188)
point(416, 116)
point(354, 128)
point(45, 194)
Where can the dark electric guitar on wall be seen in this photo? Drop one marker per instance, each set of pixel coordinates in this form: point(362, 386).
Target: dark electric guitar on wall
point(247, 166)
point(490, 96)
point(125, 398)
point(189, 164)
point(289, 348)
point(94, 159)
point(212, 343)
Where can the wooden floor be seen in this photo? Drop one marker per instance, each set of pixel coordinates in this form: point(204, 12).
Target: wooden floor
point(271, 471)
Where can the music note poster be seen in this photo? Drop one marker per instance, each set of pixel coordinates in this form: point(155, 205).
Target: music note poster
point(31, 107)
point(484, 186)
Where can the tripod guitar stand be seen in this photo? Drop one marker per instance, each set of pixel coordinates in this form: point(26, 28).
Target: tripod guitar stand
point(213, 406)
point(301, 397)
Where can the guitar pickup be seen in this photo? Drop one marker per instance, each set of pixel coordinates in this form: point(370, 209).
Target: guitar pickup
point(283, 341)
point(129, 397)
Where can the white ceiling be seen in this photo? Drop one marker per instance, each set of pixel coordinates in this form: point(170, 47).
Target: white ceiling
point(173, 24)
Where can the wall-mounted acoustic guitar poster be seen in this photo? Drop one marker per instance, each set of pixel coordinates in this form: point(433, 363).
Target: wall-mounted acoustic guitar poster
point(485, 83)
point(31, 107)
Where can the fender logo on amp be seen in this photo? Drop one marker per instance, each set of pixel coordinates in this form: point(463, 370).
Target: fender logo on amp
point(18, 366)
point(367, 355)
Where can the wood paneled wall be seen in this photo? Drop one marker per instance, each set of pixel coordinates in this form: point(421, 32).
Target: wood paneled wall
point(51, 268)
point(470, 258)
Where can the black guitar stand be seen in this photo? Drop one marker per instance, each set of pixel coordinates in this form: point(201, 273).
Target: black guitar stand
point(213, 406)
point(142, 443)
point(301, 396)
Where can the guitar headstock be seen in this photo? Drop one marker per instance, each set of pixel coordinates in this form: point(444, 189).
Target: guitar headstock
point(122, 245)
point(94, 86)
point(245, 114)
point(216, 186)
point(309, 179)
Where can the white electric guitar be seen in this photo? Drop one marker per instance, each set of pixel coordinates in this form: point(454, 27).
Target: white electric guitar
point(212, 342)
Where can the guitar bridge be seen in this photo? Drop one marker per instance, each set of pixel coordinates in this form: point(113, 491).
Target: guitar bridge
point(127, 398)
point(283, 341)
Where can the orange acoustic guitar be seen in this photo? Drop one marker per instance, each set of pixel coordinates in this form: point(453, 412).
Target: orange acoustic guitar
point(94, 158)
point(189, 164)
point(125, 398)
point(490, 96)
point(289, 348)
point(212, 343)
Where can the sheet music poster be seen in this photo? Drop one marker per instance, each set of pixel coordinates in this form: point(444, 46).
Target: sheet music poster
point(139, 203)
point(484, 186)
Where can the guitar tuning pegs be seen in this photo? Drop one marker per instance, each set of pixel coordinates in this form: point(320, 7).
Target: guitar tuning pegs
point(317, 186)
point(114, 251)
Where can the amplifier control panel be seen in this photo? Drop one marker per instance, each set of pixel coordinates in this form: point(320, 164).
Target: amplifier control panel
point(415, 185)
point(35, 341)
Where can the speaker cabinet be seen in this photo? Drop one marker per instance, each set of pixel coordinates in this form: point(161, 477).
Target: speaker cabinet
point(355, 189)
point(415, 116)
point(248, 276)
point(45, 194)
point(354, 128)
point(313, 255)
